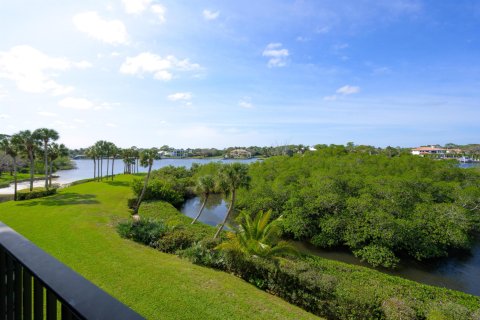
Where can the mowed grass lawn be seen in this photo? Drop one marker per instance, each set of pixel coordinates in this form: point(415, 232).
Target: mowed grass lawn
point(77, 226)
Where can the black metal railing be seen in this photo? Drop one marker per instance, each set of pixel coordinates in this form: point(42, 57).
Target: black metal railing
point(34, 285)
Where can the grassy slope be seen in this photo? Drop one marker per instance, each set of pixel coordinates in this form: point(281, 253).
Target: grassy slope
point(77, 226)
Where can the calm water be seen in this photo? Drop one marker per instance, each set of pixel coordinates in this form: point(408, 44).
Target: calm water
point(84, 170)
point(213, 213)
point(458, 273)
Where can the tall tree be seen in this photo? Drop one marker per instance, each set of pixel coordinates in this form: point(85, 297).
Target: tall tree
point(101, 147)
point(204, 187)
point(29, 144)
point(46, 135)
point(232, 177)
point(147, 157)
point(12, 148)
point(115, 151)
point(91, 153)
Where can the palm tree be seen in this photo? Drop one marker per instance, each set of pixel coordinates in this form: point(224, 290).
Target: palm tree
point(100, 147)
point(12, 149)
point(205, 186)
point(45, 135)
point(109, 149)
point(147, 157)
point(54, 152)
point(91, 153)
point(114, 151)
point(29, 144)
point(232, 177)
point(258, 237)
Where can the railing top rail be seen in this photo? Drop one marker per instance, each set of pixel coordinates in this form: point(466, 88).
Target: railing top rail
point(79, 294)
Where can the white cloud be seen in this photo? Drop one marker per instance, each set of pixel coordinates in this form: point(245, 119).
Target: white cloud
point(302, 39)
point(111, 125)
point(34, 71)
point(83, 64)
point(76, 103)
point(245, 103)
point(161, 68)
point(277, 54)
point(381, 71)
point(159, 11)
point(340, 46)
point(79, 120)
point(4, 116)
point(343, 91)
point(109, 31)
point(47, 114)
point(210, 15)
point(105, 106)
point(180, 96)
point(3, 93)
point(330, 98)
point(322, 30)
point(135, 6)
point(347, 90)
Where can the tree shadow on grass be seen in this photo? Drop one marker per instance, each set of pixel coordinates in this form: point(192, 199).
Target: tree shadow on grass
point(62, 199)
point(118, 183)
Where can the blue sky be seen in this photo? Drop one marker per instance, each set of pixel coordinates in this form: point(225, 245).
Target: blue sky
point(225, 73)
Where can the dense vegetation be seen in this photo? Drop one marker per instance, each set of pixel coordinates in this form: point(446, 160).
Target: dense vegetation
point(382, 208)
point(326, 288)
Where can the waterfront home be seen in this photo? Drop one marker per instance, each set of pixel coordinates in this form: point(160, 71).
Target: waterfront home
point(429, 150)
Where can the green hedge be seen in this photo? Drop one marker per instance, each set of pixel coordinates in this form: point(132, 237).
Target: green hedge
point(35, 193)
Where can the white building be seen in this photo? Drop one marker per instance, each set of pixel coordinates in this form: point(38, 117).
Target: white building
point(430, 150)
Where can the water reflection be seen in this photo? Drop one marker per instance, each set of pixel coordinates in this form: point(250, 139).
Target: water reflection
point(213, 213)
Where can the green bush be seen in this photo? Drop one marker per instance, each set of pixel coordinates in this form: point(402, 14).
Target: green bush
point(448, 311)
point(158, 190)
point(397, 309)
point(132, 202)
point(179, 238)
point(145, 231)
point(203, 253)
point(36, 193)
point(377, 256)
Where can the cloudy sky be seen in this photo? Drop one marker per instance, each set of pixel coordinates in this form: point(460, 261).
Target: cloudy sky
point(224, 73)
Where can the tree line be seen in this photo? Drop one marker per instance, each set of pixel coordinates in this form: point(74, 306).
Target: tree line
point(31, 145)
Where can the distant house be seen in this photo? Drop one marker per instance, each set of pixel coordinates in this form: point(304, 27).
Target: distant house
point(429, 150)
point(179, 153)
point(240, 154)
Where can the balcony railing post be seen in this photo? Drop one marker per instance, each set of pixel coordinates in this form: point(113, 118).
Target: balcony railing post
point(37, 299)
point(3, 283)
point(18, 290)
point(27, 295)
point(10, 288)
